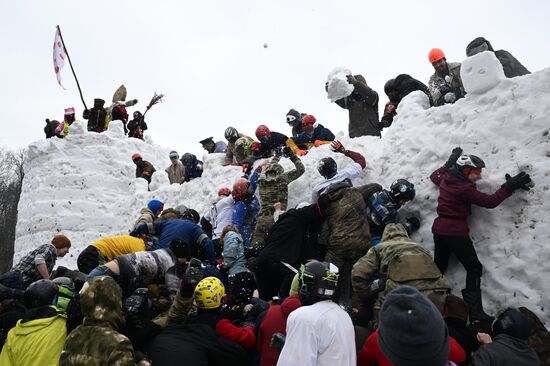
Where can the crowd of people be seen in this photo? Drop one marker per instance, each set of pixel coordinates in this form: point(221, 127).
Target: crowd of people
point(336, 280)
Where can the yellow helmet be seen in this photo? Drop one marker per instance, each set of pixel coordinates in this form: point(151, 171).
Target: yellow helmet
point(209, 293)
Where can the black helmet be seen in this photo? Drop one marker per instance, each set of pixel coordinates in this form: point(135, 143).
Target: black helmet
point(327, 167)
point(187, 159)
point(65, 282)
point(231, 134)
point(317, 281)
point(513, 323)
point(389, 86)
point(192, 215)
point(180, 248)
point(137, 114)
point(470, 161)
point(402, 189)
point(40, 293)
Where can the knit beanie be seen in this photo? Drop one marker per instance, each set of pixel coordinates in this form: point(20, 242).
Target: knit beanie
point(512, 323)
point(411, 331)
point(61, 241)
point(154, 205)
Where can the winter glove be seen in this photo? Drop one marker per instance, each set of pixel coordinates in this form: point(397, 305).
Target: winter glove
point(521, 180)
point(192, 276)
point(301, 152)
point(318, 143)
point(337, 146)
point(278, 341)
point(251, 312)
point(450, 97)
point(135, 233)
point(351, 79)
point(376, 287)
point(278, 151)
point(455, 154)
point(86, 114)
point(444, 89)
point(412, 224)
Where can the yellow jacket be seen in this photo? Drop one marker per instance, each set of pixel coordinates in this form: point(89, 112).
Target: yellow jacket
point(37, 342)
point(115, 246)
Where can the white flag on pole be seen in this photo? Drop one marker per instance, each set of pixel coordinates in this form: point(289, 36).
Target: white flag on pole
point(58, 56)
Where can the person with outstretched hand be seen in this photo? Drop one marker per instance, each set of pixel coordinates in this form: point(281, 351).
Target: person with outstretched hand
point(457, 192)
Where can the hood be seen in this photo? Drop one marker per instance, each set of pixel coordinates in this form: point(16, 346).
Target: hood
point(361, 78)
point(518, 345)
point(478, 42)
point(274, 168)
point(101, 302)
point(394, 231)
point(290, 304)
point(35, 325)
point(146, 210)
point(400, 79)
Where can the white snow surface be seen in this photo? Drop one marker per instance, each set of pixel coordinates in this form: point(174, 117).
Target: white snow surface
point(84, 186)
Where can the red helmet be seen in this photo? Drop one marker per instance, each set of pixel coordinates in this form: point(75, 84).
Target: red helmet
point(224, 191)
point(435, 55)
point(136, 156)
point(241, 188)
point(263, 132)
point(309, 119)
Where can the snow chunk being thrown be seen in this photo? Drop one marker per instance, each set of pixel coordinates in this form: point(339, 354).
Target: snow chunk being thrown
point(338, 86)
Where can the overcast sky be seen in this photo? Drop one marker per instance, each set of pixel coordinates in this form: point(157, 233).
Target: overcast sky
point(208, 57)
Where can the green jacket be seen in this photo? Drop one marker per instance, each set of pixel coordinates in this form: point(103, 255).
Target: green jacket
point(35, 343)
point(400, 261)
point(97, 341)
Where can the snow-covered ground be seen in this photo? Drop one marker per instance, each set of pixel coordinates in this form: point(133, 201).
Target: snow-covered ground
point(84, 186)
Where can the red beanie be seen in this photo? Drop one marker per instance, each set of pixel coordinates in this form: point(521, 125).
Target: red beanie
point(309, 119)
point(61, 241)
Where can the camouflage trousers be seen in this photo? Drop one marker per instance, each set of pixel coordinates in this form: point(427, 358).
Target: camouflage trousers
point(263, 225)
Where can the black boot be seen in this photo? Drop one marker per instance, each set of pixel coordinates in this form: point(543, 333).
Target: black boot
point(10, 293)
point(472, 297)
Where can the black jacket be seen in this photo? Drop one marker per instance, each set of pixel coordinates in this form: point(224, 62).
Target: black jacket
point(404, 85)
point(194, 344)
point(267, 148)
point(505, 351)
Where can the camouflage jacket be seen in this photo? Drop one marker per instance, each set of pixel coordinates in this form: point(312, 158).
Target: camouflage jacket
point(437, 82)
point(274, 183)
point(400, 261)
point(97, 342)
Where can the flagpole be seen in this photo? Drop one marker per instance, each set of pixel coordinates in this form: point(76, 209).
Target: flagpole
point(71, 65)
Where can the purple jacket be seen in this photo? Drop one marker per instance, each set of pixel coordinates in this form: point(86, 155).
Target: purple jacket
point(454, 205)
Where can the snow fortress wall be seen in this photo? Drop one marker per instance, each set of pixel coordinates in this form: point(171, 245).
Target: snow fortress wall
point(84, 186)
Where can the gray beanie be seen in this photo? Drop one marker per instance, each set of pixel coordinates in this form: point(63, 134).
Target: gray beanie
point(411, 331)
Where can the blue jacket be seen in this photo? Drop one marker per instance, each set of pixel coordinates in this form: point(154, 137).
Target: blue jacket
point(319, 133)
point(233, 253)
point(246, 211)
point(183, 229)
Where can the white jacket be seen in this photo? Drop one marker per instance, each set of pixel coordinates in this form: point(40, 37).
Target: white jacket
point(220, 215)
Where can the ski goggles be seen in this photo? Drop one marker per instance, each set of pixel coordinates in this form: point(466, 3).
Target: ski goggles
point(290, 118)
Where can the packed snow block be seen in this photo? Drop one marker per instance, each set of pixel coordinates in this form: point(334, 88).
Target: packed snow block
point(159, 179)
point(338, 86)
point(414, 102)
point(116, 129)
point(140, 185)
point(481, 73)
point(77, 128)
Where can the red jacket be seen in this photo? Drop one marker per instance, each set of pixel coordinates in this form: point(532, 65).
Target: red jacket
point(454, 205)
point(274, 322)
point(371, 355)
point(243, 336)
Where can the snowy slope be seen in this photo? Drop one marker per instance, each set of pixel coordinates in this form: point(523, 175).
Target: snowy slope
point(84, 186)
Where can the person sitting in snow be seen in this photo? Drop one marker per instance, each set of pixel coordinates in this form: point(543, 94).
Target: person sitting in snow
point(457, 192)
point(97, 117)
point(314, 135)
point(269, 141)
point(294, 119)
point(175, 171)
point(137, 125)
point(445, 84)
point(511, 66)
point(212, 147)
point(362, 105)
point(192, 167)
point(396, 89)
point(144, 169)
point(383, 206)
